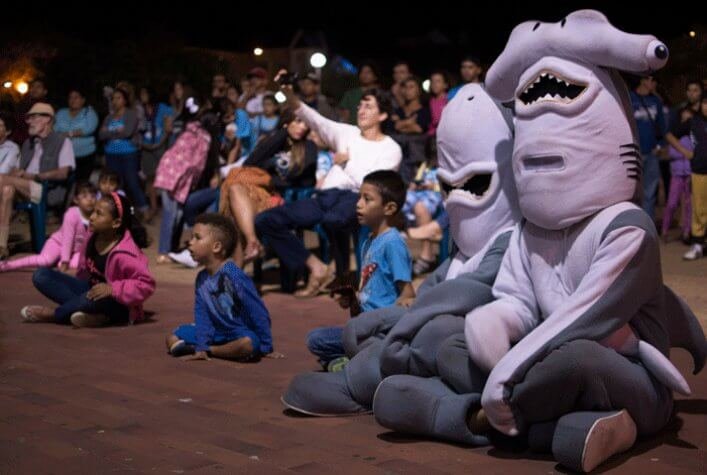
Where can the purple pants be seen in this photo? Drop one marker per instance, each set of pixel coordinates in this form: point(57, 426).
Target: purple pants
point(679, 188)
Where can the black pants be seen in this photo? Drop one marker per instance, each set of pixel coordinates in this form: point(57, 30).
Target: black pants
point(334, 209)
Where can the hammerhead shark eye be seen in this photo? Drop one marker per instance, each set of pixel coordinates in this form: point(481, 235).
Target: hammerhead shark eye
point(537, 25)
point(562, 23)
point(470, 98)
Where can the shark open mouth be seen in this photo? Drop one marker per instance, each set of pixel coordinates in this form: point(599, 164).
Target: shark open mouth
point(477, 185)
point(550, 86)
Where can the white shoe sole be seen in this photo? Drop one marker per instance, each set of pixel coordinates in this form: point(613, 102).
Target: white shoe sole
point(607, 437)
point(319, 414)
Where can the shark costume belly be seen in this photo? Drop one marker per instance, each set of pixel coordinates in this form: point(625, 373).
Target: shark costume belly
point(475, 141)
point(578, 337)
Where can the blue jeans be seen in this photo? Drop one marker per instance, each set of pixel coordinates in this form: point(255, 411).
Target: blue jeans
point(127, 166)
point(326, 343)
point(651, 177)
point(70, 293)
point(200, 201)
point(171, 217)
point(188, 334)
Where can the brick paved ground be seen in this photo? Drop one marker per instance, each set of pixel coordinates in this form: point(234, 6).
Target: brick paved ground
point(111, 401)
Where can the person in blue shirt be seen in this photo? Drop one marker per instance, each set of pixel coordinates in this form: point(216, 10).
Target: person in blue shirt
point(155, 132)
point(470, 70)
point(386, 268)
point(79, 123)
point(230, 319)
point(650, 122)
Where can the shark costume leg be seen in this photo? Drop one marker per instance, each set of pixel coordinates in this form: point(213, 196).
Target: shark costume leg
point(349, 391)
point(436, 407)
point(426, 406)
point(600, 399)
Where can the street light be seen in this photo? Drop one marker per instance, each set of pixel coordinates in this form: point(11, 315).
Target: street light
point(692, 34)
point(258, 51)
point(22, 87)
point(426, 85)
point(7, 84)
point(317, 60)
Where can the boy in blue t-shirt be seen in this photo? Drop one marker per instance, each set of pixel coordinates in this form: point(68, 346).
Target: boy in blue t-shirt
point(386, 269)
point(231, 320)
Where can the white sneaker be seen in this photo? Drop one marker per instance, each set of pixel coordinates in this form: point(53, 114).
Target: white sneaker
point(694, 253)
point(184, 258)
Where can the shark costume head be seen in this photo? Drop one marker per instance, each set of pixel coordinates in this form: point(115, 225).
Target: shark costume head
point(474, 147)
point(576, 150)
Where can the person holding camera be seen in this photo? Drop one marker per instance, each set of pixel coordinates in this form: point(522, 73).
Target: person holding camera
point(650, 121)
point(359, 150)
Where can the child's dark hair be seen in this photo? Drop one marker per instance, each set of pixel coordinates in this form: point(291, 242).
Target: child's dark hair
point(385, 106)
point(225, 230)
point(109, 175)
point(123, 210)
point(390, 185)
point(85, 186)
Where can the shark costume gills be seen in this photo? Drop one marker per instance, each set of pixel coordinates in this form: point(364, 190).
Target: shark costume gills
point(578, 338)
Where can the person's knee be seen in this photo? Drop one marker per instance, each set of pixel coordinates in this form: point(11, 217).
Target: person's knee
point(314, 340)
point(269, 220)
point(8, 192)
point(41, 276)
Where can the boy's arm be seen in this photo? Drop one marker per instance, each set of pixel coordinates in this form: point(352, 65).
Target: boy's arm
point(406, 294)
point(257, 315)
point(68, 234)
point(204, 326)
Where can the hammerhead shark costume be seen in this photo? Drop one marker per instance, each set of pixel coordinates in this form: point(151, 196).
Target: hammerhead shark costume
point(578, 337)
point(475, 142)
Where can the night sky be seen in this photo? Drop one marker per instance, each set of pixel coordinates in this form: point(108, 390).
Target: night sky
point(355, 30)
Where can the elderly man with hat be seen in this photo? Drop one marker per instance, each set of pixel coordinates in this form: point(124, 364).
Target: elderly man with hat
point(252, 98)
point(45, 155)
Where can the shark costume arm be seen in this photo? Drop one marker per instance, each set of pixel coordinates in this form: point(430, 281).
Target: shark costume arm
point(490, 330)
point(622, 280)
point(451, 297)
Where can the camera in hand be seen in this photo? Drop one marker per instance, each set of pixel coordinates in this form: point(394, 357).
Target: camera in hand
point(287, 79)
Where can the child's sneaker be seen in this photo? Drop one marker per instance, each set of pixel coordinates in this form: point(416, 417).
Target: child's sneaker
point(184, 258)
point(694, 253)
point(89, 320)
point(337, 364)
point(181, 348)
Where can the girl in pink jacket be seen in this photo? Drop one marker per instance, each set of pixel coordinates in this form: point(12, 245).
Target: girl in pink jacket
point(113, 278)
point(65, 245)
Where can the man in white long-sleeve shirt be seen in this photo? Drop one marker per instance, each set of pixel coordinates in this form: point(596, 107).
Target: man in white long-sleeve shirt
point(360, 150)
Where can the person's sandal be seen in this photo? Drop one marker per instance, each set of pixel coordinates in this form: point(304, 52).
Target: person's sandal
point(316, 286)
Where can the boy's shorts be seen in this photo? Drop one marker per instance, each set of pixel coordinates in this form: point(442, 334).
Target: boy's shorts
point(188, 334)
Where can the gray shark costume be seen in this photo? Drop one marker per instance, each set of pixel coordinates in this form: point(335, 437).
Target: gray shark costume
point(578, 337)
point(475, 142)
